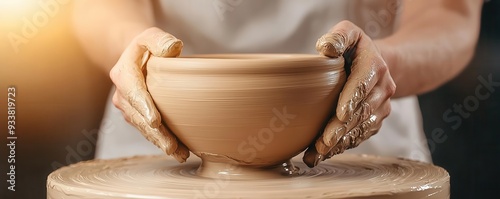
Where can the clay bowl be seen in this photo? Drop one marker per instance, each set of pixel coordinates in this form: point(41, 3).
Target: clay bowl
point(245, 113)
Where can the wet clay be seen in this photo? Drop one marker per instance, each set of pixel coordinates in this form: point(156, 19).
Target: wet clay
point(245, 116)
point(248, 110)
point(343, 176)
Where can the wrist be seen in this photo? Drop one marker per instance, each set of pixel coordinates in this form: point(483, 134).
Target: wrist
point(388, 53)
point(392, 58)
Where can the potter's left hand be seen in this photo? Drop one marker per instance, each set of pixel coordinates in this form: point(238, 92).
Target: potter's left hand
point(365, 98)
point(131, 95)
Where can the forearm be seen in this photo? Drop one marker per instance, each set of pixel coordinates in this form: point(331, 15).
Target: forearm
point(104, 28)
point(434, 42)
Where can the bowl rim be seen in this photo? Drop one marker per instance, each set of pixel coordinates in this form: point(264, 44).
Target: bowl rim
point(246, 63)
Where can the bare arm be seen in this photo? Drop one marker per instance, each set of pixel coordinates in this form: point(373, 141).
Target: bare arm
point(117, 35)
point(434, 42)
point(105, 28)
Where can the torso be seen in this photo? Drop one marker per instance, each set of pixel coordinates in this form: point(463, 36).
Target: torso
point(280, 26)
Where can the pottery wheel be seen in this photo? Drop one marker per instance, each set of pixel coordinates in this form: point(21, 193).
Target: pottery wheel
point(343, 176)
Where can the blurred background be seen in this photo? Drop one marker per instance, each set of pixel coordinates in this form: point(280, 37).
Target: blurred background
point(471, 149)
point(60, 95)
point(60, 98)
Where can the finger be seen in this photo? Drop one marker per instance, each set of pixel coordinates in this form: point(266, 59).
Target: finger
point(159, 136)
point(127, 74)
point(181, 154)
point(367, 70)
point(378, 95)
point(354, 137)
point(340, 39)
point(311, 157)
point(131, 86)
point(336, 130)
point(333, 132)
point(382, 91)
point(361, 132)
point(315, 152)
point(160, 43)
point(118, 102)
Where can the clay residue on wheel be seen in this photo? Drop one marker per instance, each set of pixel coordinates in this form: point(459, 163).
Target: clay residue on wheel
point(344, 176)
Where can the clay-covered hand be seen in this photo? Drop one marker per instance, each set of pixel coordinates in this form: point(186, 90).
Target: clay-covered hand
point(365, 99)
point(131, 95)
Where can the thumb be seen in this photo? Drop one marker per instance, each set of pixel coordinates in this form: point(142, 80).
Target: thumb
point(131, 83)
point(160, 43)
point(341, 38)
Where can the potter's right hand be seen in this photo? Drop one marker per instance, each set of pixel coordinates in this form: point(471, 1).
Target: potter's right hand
point(365, 99)
point(131, 95)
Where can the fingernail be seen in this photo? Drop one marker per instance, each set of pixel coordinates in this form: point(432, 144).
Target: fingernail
point(327, 49)
point(329, 45)
point(154, 118)
point(175, 49)
point(152, 115)
point(318, 159)
point(347, 111)
point(181, 154)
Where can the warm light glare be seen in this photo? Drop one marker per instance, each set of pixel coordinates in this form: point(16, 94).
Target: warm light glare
point(24, 20)
point(16, 7)
point(12, 13)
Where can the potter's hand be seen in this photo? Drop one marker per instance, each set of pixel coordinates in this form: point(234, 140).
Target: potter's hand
point(365, 98)
point(131, 95)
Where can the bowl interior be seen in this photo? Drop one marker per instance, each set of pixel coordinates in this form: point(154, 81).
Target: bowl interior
point(245, 63)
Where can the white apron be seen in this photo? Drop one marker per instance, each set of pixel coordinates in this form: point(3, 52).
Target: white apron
point(281, 26)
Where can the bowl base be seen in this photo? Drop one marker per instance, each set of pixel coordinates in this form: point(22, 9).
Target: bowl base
point(218, 170)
